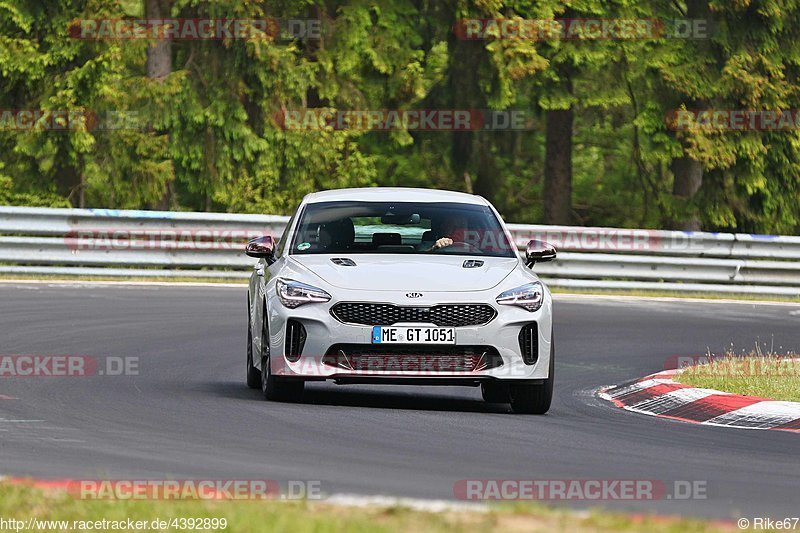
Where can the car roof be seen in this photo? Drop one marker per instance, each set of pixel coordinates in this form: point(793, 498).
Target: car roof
point(395, 194)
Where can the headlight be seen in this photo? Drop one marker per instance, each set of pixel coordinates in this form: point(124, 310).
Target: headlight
point(529, 297)
point(294, 294)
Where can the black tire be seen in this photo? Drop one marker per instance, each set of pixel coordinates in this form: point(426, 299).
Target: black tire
point(273, 388)
point(535, 399)
point(253, 374)
point(495, 392)
point(278, 390)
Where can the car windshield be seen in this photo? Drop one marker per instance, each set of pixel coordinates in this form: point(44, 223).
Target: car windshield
point(400, 228)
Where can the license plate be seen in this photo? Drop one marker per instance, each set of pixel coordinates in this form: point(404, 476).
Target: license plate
point(411, 335)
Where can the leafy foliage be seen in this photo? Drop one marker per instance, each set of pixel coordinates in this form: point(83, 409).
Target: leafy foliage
point(206, 136)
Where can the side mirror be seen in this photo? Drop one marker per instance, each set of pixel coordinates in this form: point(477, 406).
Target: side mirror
point(539, 252)
point(262, 248)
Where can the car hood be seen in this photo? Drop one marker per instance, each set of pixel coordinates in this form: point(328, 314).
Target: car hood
point(383, 272)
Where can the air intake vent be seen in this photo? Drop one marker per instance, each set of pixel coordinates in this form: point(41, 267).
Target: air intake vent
point(295, 339)
point(529, 343)
point(343, 261)
point(412, 358)
point(472, 263)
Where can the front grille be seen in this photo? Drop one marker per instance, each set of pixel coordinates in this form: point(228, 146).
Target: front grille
point(529, 343)
point(372, 314)
point(295, 339)
point(412, 358)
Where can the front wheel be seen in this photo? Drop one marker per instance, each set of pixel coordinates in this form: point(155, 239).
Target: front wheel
point(253, 374)
point(535, 399)
point(278, 390)
point(274, 388)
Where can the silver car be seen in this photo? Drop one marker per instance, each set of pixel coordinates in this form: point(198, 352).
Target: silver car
point(400, 285)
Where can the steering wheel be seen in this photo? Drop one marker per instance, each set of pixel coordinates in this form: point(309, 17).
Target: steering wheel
point(465, 246)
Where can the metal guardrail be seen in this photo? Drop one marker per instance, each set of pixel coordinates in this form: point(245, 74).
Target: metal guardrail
point(105, 242)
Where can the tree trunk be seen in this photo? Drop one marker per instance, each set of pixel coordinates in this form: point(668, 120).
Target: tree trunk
point(688, 172)
point(688, 175)
point(159, 66)
point(159, 54)
point(82, 192)
point(487, 182)
point(464, 92)
point(558, 167)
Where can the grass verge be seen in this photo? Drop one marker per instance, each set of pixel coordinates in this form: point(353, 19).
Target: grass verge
point(22, 503)
point(766, 376)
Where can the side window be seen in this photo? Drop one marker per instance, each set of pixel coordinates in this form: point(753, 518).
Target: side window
point(285, 237)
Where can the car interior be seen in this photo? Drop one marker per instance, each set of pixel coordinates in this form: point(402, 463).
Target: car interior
point(388, 228)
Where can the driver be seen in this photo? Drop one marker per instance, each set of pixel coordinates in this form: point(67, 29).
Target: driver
point(451, 229)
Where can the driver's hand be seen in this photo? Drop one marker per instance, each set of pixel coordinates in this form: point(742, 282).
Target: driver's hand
point(441, 243)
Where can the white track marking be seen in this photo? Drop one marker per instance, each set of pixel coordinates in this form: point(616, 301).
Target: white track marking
point(416, 504)
point(772, 413)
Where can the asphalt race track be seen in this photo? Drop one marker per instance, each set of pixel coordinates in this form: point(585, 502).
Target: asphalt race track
point(189, 415)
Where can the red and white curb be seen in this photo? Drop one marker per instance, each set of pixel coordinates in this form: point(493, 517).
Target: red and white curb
point(660, 395)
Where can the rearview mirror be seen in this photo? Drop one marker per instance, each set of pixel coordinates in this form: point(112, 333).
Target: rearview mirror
point(397, 219)
point(538, 252)
point(262, 248)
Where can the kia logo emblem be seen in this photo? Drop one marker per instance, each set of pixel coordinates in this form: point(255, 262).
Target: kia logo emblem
point(413, 295)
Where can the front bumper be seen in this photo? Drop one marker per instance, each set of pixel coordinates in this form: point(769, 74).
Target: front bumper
point(325, 336)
